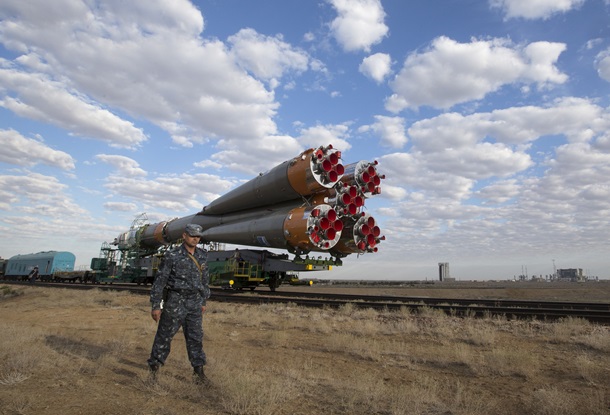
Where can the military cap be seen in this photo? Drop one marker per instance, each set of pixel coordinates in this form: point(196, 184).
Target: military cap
point(193, 230)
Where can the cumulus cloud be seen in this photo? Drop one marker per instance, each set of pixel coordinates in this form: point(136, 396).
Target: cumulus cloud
point(535, 9)
point(37, 206)
point(120, 206)
point(266, 57)
point(481, 161)
point(180, 193)
point(451, 154)
point(124, 166)
point(118, 57)
point(499, 192)
point(390, 129)
point(376, 66)
point(42, 99)
point(571, 198)
point(414, 173)
point(575, 118)
point(394, 192)
point(204, 164)
point(33, 185)
point(21, 151)
point(254, 157)
point(359, 24)
point(602, 64)
point(578, 173)
point(449, 73)
point(39, 195)
point(323, 135)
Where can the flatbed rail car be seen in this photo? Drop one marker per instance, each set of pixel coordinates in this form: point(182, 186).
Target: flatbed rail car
point(71, 276)
point(140, 270)
point(249, 268)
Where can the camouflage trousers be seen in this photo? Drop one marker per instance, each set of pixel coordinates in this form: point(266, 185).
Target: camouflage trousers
point(180, 311)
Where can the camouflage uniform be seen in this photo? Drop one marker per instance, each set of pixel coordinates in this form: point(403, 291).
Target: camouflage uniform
point(188, 290)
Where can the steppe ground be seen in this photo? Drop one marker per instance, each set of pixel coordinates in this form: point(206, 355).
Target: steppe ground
point(83, 352)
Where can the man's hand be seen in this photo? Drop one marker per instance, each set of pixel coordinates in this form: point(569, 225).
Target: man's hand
point(202, 309)
point(156, 315)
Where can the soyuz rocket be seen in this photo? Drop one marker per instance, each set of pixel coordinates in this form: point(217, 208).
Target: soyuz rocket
point(311, 202)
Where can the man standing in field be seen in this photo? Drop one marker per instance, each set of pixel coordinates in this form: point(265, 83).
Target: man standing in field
point(183, 274)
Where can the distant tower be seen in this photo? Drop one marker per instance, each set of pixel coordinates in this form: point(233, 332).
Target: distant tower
point(443, 271)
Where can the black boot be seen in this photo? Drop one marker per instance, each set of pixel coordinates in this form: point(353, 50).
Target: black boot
point(201, 379)
point(153, 370)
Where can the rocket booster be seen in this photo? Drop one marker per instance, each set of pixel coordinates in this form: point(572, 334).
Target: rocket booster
point(308, 203)
point(299, 229)
point(310, 172)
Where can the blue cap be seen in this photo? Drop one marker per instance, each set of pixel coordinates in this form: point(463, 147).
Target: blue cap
point(193, 230)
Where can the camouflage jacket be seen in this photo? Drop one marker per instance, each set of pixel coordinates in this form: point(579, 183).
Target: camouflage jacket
point(179, 272)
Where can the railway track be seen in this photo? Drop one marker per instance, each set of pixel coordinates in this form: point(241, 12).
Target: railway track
point(513, 309)
point(443, 301)
point(539, 310)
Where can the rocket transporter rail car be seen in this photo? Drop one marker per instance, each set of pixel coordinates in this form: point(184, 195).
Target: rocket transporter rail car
point(309, 203)
point(238, 269)
point(248, 268)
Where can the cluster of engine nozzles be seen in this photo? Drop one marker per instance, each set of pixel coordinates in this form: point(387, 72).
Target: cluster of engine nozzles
point(344, 228)
point(327, 164)
point(325, 227)
point(367, 234)
point(369, 180)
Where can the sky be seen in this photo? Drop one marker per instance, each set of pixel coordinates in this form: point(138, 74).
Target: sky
point(489, 119)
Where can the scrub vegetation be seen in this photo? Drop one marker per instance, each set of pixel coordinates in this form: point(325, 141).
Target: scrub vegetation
point(84, 352)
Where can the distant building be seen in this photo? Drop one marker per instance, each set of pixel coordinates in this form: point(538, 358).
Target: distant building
point(443, 271)
point(571, 274)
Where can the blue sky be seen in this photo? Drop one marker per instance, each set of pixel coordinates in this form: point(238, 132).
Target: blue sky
point(489, 119)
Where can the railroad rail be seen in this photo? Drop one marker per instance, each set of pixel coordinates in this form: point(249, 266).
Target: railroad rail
point(513, 309)
point(539, 310)
point(444, 301)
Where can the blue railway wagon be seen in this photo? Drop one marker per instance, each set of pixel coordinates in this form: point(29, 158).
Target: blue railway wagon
point(20, 266)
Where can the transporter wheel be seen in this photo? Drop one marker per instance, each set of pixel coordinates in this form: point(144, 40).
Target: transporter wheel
point(275, 280)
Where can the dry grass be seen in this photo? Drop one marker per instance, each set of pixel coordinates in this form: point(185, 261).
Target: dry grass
point(84, 352)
